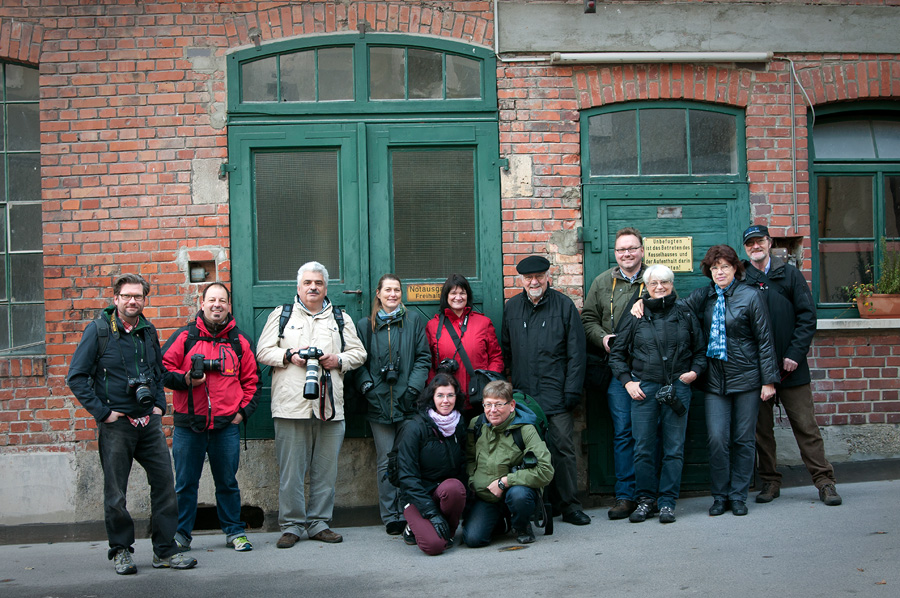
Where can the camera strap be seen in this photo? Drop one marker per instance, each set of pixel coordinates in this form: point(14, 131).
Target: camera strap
point(326, 388)
point(460, 349)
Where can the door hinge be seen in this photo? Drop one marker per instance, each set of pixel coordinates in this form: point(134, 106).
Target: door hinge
point(502, 163)
point(224, 169)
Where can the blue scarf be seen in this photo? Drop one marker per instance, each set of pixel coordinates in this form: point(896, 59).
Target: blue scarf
point(717, 343)
point(394, 315)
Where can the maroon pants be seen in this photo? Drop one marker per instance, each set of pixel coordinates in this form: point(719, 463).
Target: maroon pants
point(450, 498)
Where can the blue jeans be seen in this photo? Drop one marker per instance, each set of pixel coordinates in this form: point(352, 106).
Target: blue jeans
point(731, 423)
point(121, 444)
point(520, 501)
point(623, 442)
point(646, 417)
point(190, 449)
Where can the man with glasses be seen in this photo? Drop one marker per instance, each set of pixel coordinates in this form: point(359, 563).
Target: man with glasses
point(543, 344)
point(499, 442)
point(792, 313)
point(117, 374)
point(610, 298)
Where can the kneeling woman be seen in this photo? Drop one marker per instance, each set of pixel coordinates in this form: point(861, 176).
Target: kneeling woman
point(666, 349)
point(432, 468)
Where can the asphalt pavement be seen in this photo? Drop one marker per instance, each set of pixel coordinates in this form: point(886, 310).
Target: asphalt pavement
point(794, 546)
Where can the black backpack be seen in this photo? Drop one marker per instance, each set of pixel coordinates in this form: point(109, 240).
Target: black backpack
point(287, 308)
point(103, 333)
point(233, 338)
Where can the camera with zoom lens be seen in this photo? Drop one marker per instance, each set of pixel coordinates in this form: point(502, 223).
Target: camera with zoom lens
point(311, 386)
point(448, 366)
point(140, 386)
point(391, 373)
point(200, 365)
point(666, 396)
point(529, 461)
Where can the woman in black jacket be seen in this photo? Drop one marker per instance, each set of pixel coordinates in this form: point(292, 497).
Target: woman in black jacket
point(741, 370)
point(393, 376)
point(663, 350)
point(432, 466)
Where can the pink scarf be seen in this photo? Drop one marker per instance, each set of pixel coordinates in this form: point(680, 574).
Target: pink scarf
point(445, 423)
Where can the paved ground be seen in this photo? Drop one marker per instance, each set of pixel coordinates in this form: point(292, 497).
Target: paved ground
point(795, 546)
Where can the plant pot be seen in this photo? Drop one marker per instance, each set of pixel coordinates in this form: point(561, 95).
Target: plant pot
point(878, 306)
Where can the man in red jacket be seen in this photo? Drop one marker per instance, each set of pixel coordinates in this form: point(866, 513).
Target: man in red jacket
point(211, 399)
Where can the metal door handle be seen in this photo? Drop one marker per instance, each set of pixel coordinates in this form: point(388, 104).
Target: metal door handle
point(356, 292)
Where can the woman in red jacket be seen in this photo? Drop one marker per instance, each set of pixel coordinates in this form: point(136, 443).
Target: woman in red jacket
point(475, 333)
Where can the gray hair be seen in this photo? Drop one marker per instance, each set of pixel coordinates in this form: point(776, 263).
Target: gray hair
point(659, 272)
point(312, 267)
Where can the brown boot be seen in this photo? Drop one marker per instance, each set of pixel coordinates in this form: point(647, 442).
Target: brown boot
point(770, 492)
point(622, 509)
point(287, 540)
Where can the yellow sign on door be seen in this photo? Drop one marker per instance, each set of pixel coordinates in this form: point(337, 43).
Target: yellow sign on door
point(674, 252)
point(423, 292)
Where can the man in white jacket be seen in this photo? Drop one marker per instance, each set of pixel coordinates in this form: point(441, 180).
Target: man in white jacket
point(309, 355)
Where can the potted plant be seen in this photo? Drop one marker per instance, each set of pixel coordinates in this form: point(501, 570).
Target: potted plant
point(882, 298)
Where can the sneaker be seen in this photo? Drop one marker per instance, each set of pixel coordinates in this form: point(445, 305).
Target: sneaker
point(182, 547)
point(525, 536)
point(667, 515)
point(409, 537)
point(326, 535)
point(770, 492)
point(828, 495)
point(124, 563)
point(179, 560)
point(622, 509)
point(739, 508)
point(241, 544)
point(287, 540)
point(645, 508)
point(395, 528)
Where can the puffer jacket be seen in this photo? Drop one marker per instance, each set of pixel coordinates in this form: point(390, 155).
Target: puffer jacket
point(678, 330)
point(425, 458)
point(749, 346)
point(544, 347)
point(792, 313)
point(305, 329)
point(232, 389)
point(400, 341)
point(494, 453)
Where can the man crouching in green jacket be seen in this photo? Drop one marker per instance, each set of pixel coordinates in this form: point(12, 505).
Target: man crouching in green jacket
point(499, 442)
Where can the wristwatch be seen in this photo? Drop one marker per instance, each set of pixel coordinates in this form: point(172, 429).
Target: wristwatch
point(501, 484)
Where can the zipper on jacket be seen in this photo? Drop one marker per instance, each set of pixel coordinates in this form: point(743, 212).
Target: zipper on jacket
point(390, 388)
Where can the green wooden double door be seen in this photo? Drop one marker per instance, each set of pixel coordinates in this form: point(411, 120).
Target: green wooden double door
point(419, 199)
point(703, 214)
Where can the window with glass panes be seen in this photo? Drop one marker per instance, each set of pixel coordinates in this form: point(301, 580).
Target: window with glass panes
point(856, 193)
point(21, 262)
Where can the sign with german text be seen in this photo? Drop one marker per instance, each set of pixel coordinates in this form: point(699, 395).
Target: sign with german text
point(674, 252)
point(423, 292)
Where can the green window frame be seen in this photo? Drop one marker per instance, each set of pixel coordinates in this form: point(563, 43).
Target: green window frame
point(644, 142)
point(854, 198)
point(22, 325)
point(371, 74)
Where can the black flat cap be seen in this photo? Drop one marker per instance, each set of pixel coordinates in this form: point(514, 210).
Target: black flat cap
point(533, 264)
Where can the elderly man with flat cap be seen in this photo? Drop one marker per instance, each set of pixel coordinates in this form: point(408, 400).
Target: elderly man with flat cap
point(543, 344)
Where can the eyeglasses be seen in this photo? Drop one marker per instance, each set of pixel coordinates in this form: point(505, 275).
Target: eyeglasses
point(539, 277)
point(625, 250)
point(130, 297)
point(440, 396)
point(659, 283)
point(494, 406)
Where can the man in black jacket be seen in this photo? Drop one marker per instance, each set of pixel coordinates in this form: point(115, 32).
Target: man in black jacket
point(117, 375)
point(544, 346)
point(793, 316)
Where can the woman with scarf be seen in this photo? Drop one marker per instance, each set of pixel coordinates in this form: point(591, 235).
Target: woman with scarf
point(431, 467)
point(656, 358)
point(741, 371)
point(394, 374)
point(457, 328)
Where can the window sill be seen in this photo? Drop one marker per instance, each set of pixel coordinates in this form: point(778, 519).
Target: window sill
point(859, 324)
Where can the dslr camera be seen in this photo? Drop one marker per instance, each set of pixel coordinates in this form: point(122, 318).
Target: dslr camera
point(529, 461)
point(140, 386)
point(448, 366)
point(666, 396)
point(200, 365)
point(391, 373)
point(311, 386)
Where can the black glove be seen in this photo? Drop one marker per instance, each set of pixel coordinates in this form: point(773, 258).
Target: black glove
point(441, 527)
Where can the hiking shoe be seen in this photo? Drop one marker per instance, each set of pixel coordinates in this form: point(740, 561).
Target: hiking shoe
point(287, 540)
point(622, 509)
point(770, 492)
point(718, 507)
point(525, 536)
point(124, 563)
point(326, 535)
point(828, 495)
point(645, 508)
point(179, 560)
point(241, 544)
point(182, 547)
point(667, 515)
point(739, 508)
point(395, 528)
point(409, 537)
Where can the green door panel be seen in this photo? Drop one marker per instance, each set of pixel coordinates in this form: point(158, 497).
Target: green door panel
point(710, 214)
